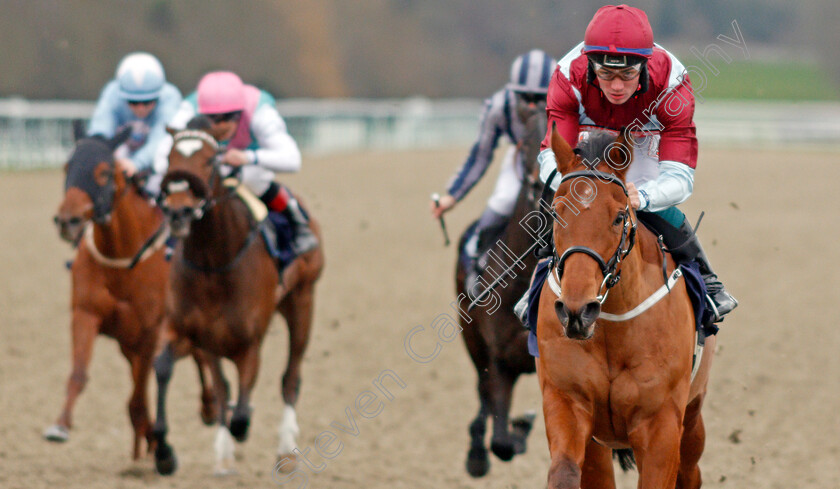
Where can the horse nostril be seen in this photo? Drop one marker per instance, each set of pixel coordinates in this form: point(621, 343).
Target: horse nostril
point(562, 312)
point(590, 311)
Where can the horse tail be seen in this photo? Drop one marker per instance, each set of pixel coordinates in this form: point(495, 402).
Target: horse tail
point(625, 457)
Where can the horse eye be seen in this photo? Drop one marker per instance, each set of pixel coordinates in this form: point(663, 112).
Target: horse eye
point(619, 218)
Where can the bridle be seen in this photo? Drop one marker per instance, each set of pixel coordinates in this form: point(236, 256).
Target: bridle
point(609, 268)
point(187, 182)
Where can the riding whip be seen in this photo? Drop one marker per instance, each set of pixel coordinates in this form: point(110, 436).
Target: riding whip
point(436, 198)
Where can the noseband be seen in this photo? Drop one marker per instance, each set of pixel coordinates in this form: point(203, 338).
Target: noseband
point(609, 268)
point(175, 185)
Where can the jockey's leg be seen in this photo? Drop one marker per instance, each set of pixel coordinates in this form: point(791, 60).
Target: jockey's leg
point(678, 236)
point(495, 216)
point(277, 198)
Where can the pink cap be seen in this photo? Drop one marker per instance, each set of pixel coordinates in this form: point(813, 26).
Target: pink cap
point(220, 92)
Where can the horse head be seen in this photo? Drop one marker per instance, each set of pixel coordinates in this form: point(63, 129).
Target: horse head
point(187, 188)
point(594, 228)
point(90, 183)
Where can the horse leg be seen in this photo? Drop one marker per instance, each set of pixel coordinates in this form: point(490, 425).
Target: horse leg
point(165, 461)
point(478, 463)
point(247, 365)
point(568, 429)
point(502, 443)
point(656, 445)
point(297, 309)
point(597, 469)
point(208, 411)
point(138, 408)
point(691, 447)
point(223, 445)
point(85, 328)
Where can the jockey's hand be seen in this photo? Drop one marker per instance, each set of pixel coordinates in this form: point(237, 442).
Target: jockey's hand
point(633, 193)
point(444, 204)
point(235, 157)
point(126, 165)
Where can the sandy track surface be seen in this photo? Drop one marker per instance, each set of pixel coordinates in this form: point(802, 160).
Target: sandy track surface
point(771, 230)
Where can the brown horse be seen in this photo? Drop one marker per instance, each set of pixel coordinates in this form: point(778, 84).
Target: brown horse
point(494, 337)
point(119, 275)
point(224, 291)
point(617, 377)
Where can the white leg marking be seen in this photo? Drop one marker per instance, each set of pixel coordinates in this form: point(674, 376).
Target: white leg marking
point(224, 448)
point(288, 431)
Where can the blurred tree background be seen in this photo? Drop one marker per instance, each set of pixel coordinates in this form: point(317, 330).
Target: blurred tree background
point(395, 48)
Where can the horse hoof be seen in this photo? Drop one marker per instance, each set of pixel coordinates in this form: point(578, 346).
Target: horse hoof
point(224, 470)
point(286, 463)
point(478, 464)
point(239, 428)
point(165, 461)
point(56, 433)
point(503, 450)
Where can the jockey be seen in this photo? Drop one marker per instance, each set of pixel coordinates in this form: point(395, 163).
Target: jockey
point(529, 77)
point(246, 123)
point(140, 97)
point(619, 78)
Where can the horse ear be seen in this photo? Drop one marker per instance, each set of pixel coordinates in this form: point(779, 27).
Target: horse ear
point(563, 153)
point(78, 129)
point(620, 153)
point(120, 138)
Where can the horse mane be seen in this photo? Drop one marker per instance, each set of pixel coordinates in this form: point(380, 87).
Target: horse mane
point(200, 122)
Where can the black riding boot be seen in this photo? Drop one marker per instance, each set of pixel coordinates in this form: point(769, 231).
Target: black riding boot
point(305, 240)
point(720, 301)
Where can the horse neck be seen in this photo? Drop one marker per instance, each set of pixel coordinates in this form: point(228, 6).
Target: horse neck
point(217, 237)
point(133, 220)
point(641, 273)
point(516, 238)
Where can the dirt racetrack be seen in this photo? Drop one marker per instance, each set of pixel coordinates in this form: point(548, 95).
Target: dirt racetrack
point(772, 421)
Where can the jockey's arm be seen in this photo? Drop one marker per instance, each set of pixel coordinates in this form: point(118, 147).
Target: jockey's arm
point(677, 152)
point(104, 118)
point(562, 109)
point(491, 127)
point(277, 150)
point(168, 103)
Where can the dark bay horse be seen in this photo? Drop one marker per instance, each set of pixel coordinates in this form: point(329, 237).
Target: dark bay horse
point(494, 337)
point(614, 370)
point(224, 291)
point(119, 275)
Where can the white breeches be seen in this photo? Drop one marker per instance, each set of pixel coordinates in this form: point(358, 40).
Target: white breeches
point(507, 188)
point(257, 179)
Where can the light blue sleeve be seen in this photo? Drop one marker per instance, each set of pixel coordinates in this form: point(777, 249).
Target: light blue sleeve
point(673, 186)
point(168, 103)
point(104, 119)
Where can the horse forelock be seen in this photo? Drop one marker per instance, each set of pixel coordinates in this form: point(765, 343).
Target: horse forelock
point(593, 150)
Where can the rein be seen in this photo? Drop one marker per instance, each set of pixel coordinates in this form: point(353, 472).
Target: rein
point(149, 247)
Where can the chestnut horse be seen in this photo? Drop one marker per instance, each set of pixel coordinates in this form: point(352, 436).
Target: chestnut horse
point(614, 370)
point(494, 337)
point(224, 291)
point(119, 275)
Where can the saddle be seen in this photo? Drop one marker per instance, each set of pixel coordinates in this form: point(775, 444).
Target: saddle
point(274, 227)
